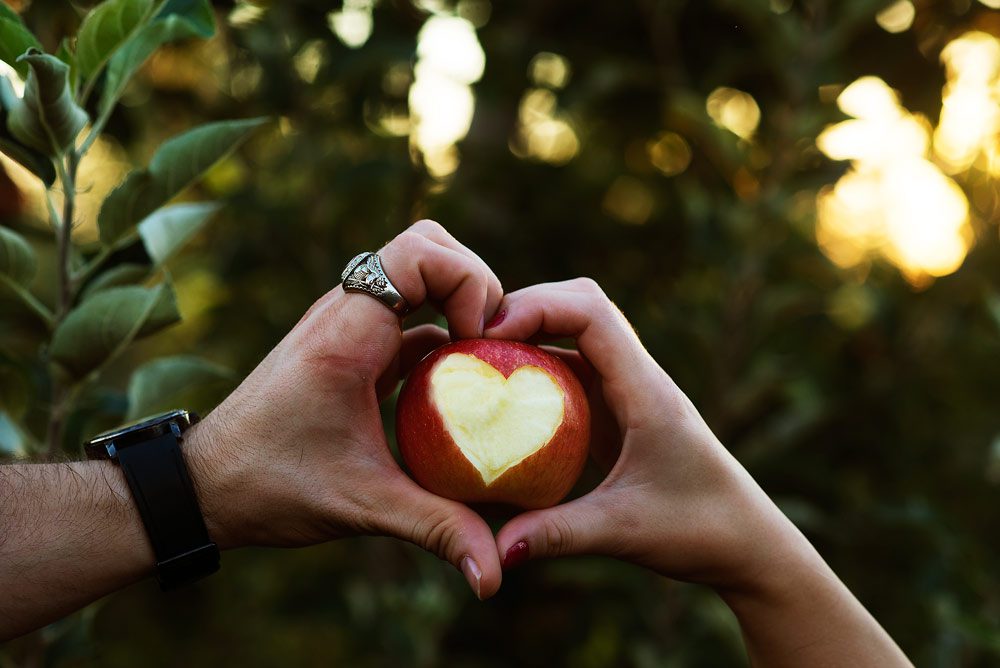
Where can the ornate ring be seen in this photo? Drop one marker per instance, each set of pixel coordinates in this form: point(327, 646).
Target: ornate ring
point(364, 273)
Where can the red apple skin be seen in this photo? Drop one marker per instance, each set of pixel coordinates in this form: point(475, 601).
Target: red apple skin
point(541, 480)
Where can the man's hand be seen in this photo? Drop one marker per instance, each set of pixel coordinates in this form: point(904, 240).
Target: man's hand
point(295, 456)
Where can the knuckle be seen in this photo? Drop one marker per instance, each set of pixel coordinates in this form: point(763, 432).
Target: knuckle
point(408, 242)
point(589, 286)
point(437, 532)
point(559, 536)
point(427, 226)
point(621, 533)
point(331, 344)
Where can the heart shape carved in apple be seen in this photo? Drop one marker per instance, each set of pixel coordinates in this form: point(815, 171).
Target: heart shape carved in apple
point(497, 422)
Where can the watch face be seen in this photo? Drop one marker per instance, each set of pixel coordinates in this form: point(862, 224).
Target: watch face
point(137, 432)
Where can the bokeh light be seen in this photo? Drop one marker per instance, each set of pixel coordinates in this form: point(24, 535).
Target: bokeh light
point(544, 132)
point(734, 110)
point(309, 59)
point(245, 14)
point(549, 69)
point(628, 200)
point(970, 113)
point(449, 60)
point(669, 153)
point(893, 202)
point(353, 23)
point(897, 17)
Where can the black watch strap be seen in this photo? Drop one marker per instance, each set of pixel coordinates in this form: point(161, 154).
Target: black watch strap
point(166, 499)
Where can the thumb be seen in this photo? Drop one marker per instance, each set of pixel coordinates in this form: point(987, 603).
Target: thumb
point(577, 527)
point(449, 529)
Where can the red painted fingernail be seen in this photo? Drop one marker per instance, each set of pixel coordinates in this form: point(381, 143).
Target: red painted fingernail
point(497, 319)
point(516, 555)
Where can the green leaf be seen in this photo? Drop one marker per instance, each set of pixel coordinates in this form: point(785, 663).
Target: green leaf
point(37, 163)
point(182, 381)
point(47, 118)
point(122, 274)
point(103, 325)
point(15, 388)
point(15, 40)
point(176, 21)
point(169, 228)
point(177, 164)
point(7, 12)
point(65, 54)
point(17, 258)
point(105, 29)
point(197, 14)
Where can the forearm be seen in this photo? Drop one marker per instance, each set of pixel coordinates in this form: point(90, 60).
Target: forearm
point(69, 534)
point(799, 613)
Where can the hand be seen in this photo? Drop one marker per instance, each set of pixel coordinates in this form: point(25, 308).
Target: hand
point(676, 501)
point(297, 454)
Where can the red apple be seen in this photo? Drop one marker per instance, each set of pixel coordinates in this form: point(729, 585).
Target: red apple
point(483, 420)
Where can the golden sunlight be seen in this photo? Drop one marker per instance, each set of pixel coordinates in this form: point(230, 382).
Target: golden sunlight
point(103, 168)
point(449, 60)
point(893, 202)
point(970, 115)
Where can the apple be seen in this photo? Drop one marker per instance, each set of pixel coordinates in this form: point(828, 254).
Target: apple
point(484, 420)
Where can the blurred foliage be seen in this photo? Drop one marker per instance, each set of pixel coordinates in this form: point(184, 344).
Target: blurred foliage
point(866, 407)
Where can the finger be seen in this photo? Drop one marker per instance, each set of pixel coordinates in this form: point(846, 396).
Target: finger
point(437, 233)
point(423, 269)
point(605, 435)
point(353, 330)
point(575, 361)
point(417, 342)
point(577, 527)
point(446, 528)
point(634, 384)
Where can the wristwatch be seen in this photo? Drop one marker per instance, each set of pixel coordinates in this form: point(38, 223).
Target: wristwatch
point(149, 454)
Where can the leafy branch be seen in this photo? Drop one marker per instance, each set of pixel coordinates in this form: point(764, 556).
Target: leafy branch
point(100, 309)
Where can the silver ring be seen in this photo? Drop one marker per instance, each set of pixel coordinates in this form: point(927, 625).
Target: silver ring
point(364, 273)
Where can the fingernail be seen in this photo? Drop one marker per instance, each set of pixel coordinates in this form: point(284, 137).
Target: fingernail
point(497, 319)
point(482, 328)
point(470, 569)
point(516, 555)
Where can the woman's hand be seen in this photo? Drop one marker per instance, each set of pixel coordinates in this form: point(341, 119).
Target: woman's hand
point(297, 454)
point(676, 501)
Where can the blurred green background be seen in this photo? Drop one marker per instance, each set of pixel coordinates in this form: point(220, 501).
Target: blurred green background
point(832, 308)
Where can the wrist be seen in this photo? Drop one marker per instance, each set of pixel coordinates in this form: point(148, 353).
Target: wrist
point(791, 579)
point(798, 612)
point(214, 483)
